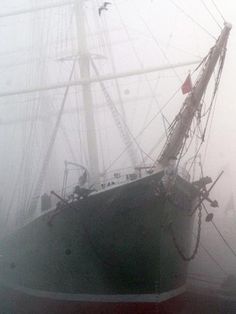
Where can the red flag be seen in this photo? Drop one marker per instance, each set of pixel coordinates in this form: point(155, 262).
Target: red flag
point(187, 85)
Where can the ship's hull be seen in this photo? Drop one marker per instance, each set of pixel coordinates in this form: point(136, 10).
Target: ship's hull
point(111, 253)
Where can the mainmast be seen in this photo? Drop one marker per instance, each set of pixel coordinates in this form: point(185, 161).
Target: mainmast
point(84, 63)
point(193, 101)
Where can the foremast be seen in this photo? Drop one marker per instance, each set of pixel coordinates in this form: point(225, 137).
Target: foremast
point(192, 103)
point(84, 64)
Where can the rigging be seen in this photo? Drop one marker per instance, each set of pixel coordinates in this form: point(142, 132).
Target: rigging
point(192, 19)
point(39, 182)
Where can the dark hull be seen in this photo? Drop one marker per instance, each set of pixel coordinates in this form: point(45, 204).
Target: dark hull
point(113, 246)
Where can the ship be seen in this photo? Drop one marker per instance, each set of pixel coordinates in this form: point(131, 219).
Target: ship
point(118, 244)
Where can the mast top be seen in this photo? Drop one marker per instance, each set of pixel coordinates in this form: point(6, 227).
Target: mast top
point(228, 25)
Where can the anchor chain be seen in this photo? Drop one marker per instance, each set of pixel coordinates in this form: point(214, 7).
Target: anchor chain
point(181, 253)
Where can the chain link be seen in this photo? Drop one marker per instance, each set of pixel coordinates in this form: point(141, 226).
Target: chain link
point(181, 253)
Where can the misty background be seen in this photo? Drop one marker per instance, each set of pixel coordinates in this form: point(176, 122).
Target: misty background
point(37, 49)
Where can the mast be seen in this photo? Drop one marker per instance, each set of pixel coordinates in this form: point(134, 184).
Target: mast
point(193, 101)
point(101, 78)
point(84, 63)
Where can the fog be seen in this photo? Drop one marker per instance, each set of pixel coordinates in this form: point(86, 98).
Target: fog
point(37, 50)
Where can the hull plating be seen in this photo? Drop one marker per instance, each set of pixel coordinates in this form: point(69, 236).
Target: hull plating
point(116, 242)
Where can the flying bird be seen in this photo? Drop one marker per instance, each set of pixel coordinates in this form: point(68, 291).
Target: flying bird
point(103, 7)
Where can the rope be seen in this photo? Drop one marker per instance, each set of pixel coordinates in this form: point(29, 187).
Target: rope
point(125, 132)
point(209, 111)
point(164, 123)
point(212, 100)
point(219, 233)
point(217, 9)
point(140, 61)
point(212, 16)
point(214, 92)
point(141, 132)
point(203, 280)
point(181, 155)
point(159, 46)
point(192, 19)
point(176, 245)
point(211, 257)
point(195, 156)
point(44, 166)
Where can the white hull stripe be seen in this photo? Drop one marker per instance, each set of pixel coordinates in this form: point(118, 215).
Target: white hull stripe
point(129, 298)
